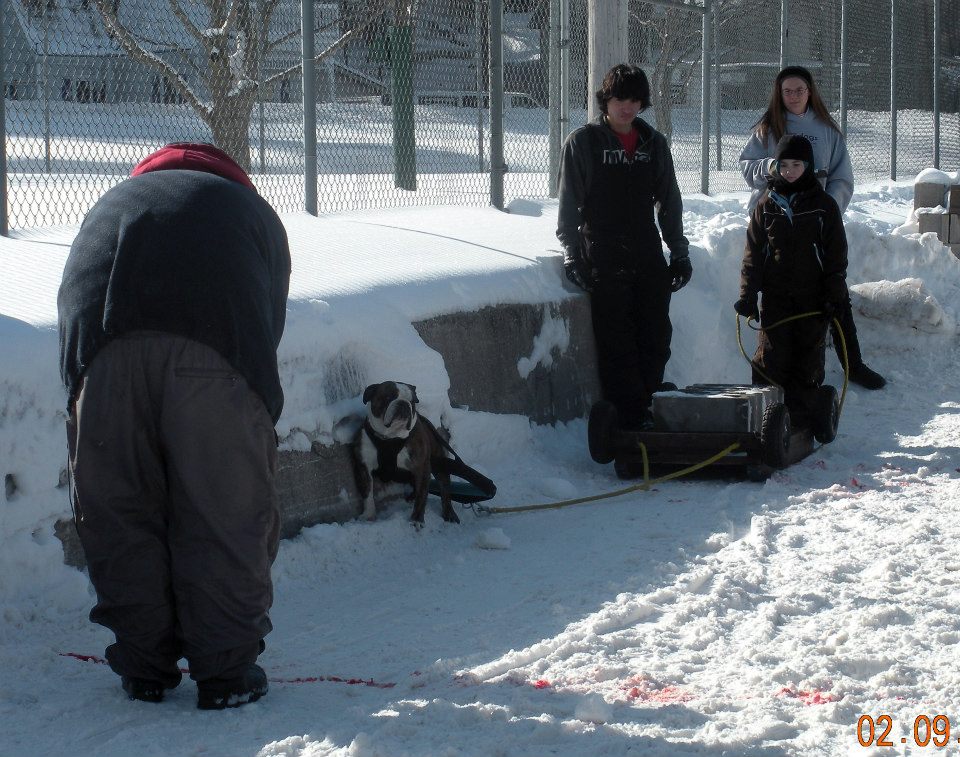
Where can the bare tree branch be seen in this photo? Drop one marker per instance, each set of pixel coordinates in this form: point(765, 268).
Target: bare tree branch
point(148, 58)
point(187, 23)
point(380, 8)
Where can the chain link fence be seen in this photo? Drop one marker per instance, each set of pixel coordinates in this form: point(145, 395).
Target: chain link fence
point(887, 110)
point(399, 94)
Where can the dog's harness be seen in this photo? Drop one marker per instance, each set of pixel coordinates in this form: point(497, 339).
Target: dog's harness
point(387, 452)
point(388, 470)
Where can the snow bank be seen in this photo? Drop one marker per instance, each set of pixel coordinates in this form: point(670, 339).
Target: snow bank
point(359, 282)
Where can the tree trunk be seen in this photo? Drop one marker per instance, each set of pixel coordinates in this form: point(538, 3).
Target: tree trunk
point(229, 123)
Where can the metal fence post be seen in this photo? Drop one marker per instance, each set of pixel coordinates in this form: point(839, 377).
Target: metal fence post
point(261, 56)
point(718, 108)
point(478, 63)
point(497, 167)
point(936, 83)
point(46, 87)
point(893, 90)
point(309, 76)
point(705, 53)
point(844, 68)
point(553, 135)
point(564, 69)
point(784, 32)
point(4, 227)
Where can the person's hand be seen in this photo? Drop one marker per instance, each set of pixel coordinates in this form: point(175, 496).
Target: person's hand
point(834, 296)
point(680, 270)
point(576, 269)
point(747, 307)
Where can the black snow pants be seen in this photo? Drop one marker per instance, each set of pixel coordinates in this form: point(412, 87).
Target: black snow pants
point(792, 354)
point(172, 460)
point(849, 329)
point(632, 330)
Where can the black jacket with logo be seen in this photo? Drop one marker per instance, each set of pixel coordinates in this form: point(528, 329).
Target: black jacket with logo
point(183, 252)
point(611, 200)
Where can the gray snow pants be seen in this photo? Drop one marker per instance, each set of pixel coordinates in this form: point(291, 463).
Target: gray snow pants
point(172, 461)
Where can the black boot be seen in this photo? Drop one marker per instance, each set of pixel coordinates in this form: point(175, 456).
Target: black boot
point(867, 378)
point(220, 693)
point(142, 689)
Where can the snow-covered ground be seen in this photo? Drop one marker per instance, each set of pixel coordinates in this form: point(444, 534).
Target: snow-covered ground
point(704, 617)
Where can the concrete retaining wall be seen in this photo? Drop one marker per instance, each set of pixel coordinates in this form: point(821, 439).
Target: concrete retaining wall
point(502, 359)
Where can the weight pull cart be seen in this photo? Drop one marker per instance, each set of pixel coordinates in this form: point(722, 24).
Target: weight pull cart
point(696, 423)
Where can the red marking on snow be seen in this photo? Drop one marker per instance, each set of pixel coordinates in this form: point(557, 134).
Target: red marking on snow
point(308, 679)
point(668, 694)
point(541, 684)
point(336, 679)
point(84, 657)
point(808, 697)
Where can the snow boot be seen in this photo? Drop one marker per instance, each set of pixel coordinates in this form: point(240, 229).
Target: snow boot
point(866, 377)
point(220, 693)
point(142, 690)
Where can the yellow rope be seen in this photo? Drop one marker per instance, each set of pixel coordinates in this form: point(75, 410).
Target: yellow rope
point(647, 483)
point(843, 349)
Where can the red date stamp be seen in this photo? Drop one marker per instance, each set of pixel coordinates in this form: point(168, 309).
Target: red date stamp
point(928, 730)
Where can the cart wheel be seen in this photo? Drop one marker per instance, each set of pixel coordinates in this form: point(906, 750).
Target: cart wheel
point(826, 414)
point(775, 436)
point(601, 427)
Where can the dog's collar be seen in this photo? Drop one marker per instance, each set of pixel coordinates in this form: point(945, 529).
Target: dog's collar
point(375, 437)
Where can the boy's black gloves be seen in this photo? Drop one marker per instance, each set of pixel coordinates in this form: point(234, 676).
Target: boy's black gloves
point(681, 270)
point(577, 270)
point(747, 307)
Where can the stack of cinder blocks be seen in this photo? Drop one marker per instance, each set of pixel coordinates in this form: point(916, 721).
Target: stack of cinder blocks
point(945, 221)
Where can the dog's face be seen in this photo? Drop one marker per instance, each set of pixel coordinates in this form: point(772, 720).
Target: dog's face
point(391, 408)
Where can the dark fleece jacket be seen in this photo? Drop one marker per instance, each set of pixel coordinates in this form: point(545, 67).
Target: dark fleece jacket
point(182, 252)
point(635, 189)
point(796, 246)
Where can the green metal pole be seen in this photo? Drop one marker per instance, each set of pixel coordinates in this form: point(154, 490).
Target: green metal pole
point(404, 136)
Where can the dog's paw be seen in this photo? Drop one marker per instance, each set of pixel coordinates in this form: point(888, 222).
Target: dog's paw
point(451, 516)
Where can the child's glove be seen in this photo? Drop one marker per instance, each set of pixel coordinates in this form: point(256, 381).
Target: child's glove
point(835, 295)
point(680, 271)
point(747, 307)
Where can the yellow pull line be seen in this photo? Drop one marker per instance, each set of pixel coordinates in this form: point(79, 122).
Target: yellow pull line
point(647, 483)
point(839, 332)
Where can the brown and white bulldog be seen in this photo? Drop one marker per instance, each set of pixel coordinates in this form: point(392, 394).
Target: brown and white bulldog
point(397, 444)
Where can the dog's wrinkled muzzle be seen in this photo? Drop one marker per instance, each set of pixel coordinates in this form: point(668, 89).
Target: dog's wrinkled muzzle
point(399, 411)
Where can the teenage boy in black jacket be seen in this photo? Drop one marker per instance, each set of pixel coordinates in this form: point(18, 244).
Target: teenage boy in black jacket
point(796, 254)
point(616, 174)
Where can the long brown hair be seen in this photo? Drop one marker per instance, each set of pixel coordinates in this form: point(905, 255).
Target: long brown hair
point(774, 120)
